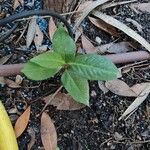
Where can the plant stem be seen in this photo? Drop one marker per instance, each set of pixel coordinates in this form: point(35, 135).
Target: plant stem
point(48, 102)
point(14, 69)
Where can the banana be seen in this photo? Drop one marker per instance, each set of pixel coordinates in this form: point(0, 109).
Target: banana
point(7, 136)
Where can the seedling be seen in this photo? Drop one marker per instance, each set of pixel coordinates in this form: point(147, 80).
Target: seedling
point(76, 69)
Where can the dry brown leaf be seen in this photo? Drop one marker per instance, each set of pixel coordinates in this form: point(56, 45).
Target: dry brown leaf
point(18, 79)
point(137, 102)
point(64, 102)
point(102, 86)
point(11, 83)
point(119, 87)
point(2, 81)
point(38, 38)
point(84, 5)
point(22, 122)
point(48, 133)
point(144, 7)
point(104, 26)
point(17, 3)
point(138, 88)
point(114, 22)
point(120, 47)
point(31, 32)
point(89, 7)
point(51, 28)
point(4, 59)
point(87, 45)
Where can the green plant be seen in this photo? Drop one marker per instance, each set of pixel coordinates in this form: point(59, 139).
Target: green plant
point(76, 69)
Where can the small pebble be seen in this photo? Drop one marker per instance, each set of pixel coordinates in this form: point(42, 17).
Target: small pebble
point(98, 40)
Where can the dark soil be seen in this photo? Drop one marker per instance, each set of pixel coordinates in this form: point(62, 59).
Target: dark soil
point(92, 128)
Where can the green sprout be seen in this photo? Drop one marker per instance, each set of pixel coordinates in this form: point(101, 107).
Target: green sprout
point(77, 69)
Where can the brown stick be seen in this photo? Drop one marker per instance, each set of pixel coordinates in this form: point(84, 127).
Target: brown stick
point(14, 69)
point(10, 70)
point(128, 57)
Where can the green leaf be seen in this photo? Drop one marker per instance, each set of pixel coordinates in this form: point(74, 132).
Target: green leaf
point(77, 87)
point(57, 148)
point(49, 60)
point(64, 44)
point(36, 72)
point(93, 67)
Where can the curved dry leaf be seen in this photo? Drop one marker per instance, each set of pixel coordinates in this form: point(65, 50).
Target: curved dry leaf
point(31, 32)
point(22, 122)
point(120, 47)
point(38, 38)
point(64, 102)
point(11, 83)
point(91, 5)
point(18, 79)
point(138, 88)
point(104, 26)
point(51, 28)
point(17, 3)
point(48, 132)
point(137, 102)
point(87, 45)
point(102, 86)
point(144, 7)
point(121, 26)
point(119, 87)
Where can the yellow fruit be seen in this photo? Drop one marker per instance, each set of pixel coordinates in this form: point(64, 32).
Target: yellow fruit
point(7, 136)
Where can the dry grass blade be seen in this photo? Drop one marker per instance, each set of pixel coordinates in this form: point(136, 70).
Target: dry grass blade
point(114, 22)
point(22, 122)
point(137, 102)
point(86, 11)
point(109, 5)
point(48, 133)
